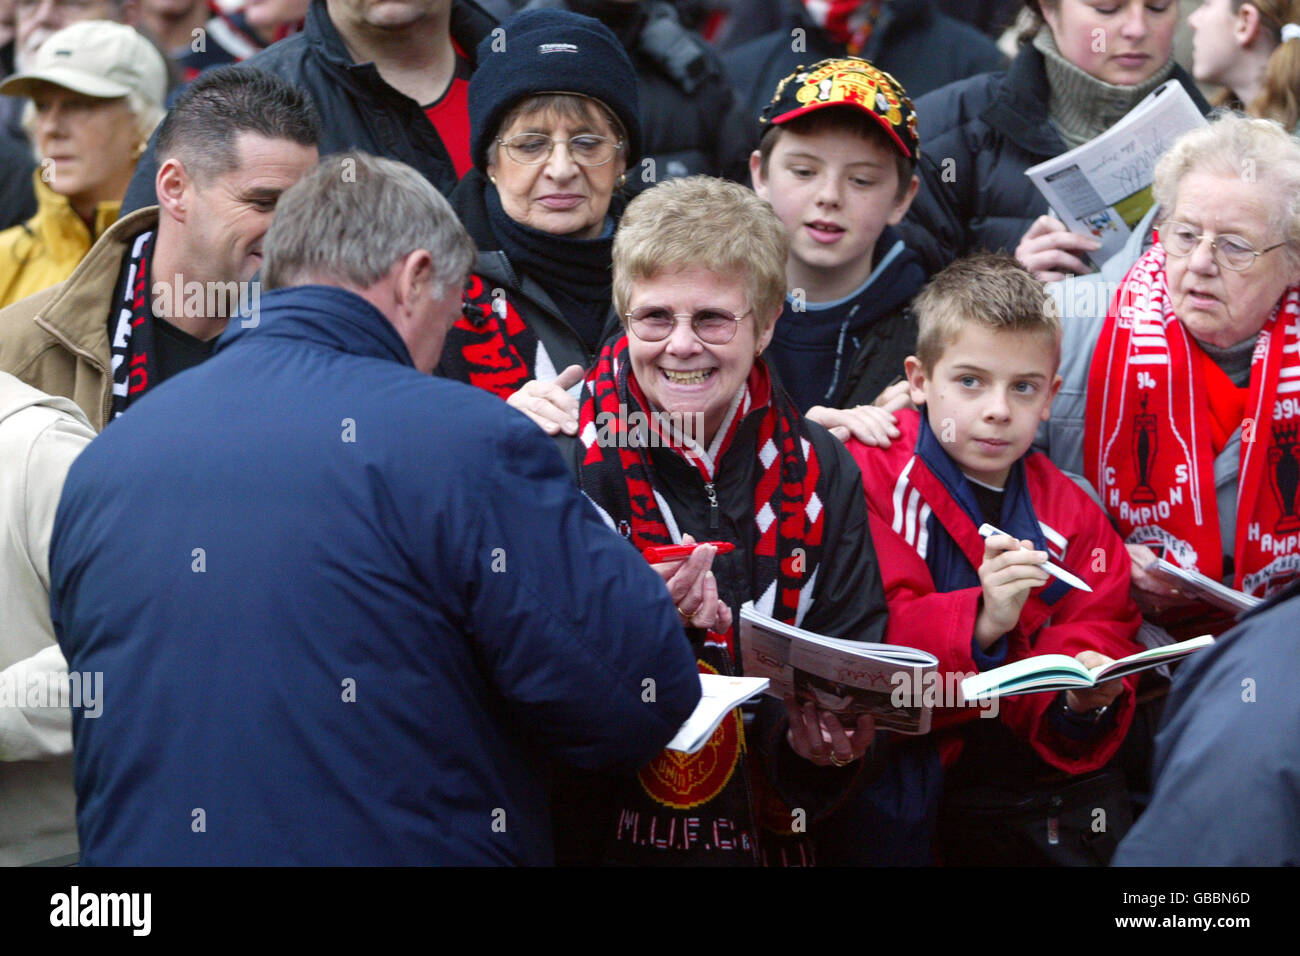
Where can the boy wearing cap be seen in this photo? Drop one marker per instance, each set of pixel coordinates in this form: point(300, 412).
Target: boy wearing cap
point(836, 162)
point(96, 91)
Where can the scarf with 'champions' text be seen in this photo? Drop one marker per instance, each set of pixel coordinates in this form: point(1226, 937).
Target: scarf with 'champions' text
point(1154, 425)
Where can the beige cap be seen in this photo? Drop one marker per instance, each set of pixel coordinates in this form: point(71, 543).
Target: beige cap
point(95, 58)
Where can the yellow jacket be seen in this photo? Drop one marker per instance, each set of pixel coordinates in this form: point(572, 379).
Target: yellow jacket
point(46, 248)
point(57, 340)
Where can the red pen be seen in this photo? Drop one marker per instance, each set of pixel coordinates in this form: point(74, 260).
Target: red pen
point(679, 552)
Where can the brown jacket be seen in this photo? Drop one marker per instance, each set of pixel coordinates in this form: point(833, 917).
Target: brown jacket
point(57, 340)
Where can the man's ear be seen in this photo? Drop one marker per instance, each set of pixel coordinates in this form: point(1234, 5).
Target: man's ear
point(916, 379)
point(756, 174)
point(172, 186)
point(904, 203)
point(414, 278)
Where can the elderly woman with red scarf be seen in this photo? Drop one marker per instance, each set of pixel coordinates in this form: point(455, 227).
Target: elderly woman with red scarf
point(1181, 402)
point(685, 437)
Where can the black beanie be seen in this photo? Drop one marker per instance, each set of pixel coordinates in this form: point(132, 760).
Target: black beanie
point(550, 51)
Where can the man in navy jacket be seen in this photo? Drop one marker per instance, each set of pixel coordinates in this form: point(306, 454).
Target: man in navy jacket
point(346, 612)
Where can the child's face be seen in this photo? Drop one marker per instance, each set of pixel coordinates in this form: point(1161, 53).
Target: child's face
point(834, 192)
point(985, 397)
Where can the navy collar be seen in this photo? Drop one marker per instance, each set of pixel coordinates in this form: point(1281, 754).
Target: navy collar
point(1018, 517)
point(325, 315)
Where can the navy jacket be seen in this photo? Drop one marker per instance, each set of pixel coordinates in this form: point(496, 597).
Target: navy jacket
point(1227, 767)
point(345, 612)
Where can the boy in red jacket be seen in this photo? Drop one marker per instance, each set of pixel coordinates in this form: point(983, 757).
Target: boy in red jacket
point(984, 377)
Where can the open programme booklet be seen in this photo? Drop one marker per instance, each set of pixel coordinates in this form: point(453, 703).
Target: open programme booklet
point(1103, 188)
point(847, 678)
point(1056, 672)
point(1203, 588)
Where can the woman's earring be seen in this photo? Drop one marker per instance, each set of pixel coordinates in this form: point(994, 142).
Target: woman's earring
point(493, 179)
point(622, 180)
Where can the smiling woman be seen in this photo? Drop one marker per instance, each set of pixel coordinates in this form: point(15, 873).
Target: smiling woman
point(96, 91)
point(553, 127)
point(699, 280)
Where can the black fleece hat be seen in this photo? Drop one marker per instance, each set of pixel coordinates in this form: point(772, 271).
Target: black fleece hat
point(551, 51)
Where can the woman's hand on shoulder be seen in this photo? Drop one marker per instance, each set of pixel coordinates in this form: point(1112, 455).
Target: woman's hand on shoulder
point(549, 404)
point(1052, 252)
point(895, 397)
point(867, 423)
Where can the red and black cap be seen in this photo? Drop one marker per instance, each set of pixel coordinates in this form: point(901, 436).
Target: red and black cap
point(848, 81)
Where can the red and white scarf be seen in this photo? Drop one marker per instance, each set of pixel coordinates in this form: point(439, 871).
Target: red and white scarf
point(1150, 433)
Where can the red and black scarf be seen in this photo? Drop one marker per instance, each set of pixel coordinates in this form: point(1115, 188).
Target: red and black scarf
point(1157, 415)
point(616, 473)
point(130, 328)
point(492, 348)
point(706, 808)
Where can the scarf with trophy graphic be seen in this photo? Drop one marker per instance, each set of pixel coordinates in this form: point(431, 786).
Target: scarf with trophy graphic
point(1149, 436)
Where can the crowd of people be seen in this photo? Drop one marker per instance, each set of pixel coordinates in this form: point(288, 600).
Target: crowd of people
point(354, 354)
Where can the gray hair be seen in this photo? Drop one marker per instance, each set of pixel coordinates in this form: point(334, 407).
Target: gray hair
point(353, 216)
point(146, 113)
point(1258, 150)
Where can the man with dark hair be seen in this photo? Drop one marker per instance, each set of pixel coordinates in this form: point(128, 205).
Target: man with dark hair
point(390, 77)
point(152, 295)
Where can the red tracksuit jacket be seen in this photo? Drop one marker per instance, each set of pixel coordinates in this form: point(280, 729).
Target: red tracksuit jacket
point(908, 505)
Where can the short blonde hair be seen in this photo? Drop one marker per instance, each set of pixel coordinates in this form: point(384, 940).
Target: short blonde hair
point(708, 223)
point(991, 290)
point(1240, 146)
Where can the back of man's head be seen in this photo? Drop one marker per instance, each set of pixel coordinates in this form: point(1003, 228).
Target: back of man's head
point(204, 125)
point(352, 217)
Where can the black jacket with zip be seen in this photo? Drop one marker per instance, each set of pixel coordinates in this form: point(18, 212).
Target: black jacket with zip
point(358, 109)
point(848, 603)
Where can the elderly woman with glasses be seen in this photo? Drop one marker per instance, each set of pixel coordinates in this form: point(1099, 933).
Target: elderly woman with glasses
point(554, 123)
point(1181, 394)
point(684, 438)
